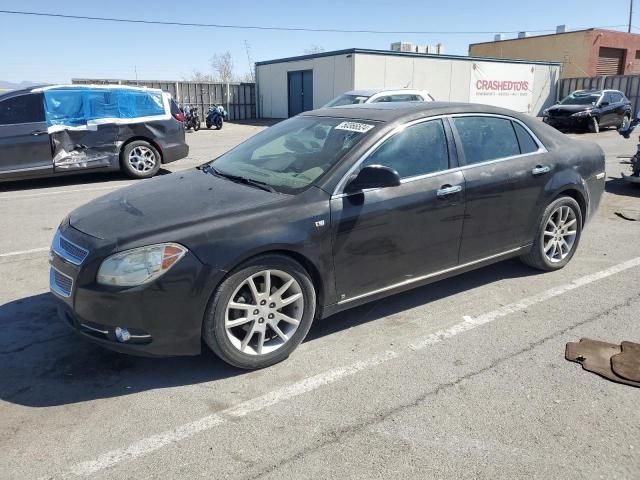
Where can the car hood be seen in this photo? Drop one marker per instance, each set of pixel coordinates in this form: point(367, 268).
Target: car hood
point(570, 108)
point(166, 204)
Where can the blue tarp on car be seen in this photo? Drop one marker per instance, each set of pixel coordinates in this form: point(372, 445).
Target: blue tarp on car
point(76, 106)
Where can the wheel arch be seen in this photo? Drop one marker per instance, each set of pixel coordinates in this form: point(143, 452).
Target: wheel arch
point(578, 196)
point(150, 141)
point(310, 267)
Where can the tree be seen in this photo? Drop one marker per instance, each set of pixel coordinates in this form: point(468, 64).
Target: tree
point(198, 76)
point(313, 49)
point(223, 67)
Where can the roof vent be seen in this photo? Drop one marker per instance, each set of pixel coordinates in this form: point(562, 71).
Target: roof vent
point(523, 34)
point(561, 29)
point(498, 37)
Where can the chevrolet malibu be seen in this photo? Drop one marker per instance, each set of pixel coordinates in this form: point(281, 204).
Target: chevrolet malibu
point(244, 252)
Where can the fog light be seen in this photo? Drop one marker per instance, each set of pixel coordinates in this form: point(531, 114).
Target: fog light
point(122, 334)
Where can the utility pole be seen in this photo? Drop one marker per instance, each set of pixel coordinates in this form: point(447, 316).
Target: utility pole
point(630, 14)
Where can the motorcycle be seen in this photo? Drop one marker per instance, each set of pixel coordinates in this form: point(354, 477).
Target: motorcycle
point(191, 119)
point(216, 116)
point(625, 130)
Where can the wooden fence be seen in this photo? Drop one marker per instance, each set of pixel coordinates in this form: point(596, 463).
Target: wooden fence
point(239, 99)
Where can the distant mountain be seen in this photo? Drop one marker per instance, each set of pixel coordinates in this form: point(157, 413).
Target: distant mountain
point(4, 85)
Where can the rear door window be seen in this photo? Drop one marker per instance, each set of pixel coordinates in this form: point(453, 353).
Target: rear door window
point(616, 97)
point(417, 150)
point(22, 109)
point(486, 138)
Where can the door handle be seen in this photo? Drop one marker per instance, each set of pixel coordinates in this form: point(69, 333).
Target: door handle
point(38, 132)
point(447, 190)
point(540, 170)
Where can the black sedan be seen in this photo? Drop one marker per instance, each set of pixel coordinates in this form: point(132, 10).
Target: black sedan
point(320, 213)
point(589, 110)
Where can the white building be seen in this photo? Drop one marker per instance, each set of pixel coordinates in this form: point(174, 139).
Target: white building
point(288, 86)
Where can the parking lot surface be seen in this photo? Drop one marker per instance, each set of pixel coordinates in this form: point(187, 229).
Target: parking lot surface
point(464, 378)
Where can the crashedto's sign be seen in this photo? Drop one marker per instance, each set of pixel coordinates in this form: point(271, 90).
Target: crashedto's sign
point(506, 85)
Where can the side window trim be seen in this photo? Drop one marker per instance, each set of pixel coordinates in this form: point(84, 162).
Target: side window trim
point(454, 145)
point(461, 158)
point(451, 150)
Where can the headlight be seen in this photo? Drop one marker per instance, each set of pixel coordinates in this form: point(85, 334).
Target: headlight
point(139, 265)
point(584, 113)
point(545, 112)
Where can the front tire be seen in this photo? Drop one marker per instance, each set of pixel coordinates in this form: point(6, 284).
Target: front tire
point(140, 159)
point(260, 313)
point(196, 125)
point(594, 125)
point(557, 235)
point(219, 122)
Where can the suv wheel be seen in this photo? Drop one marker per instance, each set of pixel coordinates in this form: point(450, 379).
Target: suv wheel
point(140, 159)
point(594, 125)
point(557, 237)
point(260, 313)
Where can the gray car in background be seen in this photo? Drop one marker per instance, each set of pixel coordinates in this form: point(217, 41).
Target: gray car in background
point(54, 130)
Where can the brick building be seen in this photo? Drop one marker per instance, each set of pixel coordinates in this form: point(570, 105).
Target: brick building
point(583, 53)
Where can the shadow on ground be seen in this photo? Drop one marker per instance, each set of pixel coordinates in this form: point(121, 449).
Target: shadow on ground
point(44, 363)
point(619, 186)
point(83, 179)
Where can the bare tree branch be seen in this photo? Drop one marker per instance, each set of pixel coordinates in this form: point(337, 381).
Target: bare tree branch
point(223, 67)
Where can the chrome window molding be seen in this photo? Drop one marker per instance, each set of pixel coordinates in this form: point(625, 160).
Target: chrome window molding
point(59, 250)
point(427, 276)
point(339, 190)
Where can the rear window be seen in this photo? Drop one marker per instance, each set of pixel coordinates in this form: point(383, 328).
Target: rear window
point(22, 109)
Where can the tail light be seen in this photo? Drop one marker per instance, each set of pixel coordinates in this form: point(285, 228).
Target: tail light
point(179, 116)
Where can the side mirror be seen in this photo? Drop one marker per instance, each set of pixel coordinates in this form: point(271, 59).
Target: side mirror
point(374, 176)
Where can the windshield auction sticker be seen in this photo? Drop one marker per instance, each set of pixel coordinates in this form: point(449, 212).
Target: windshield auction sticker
point(354, 127)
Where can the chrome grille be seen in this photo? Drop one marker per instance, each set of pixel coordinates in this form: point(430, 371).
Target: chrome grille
point(59, 283)
point(68, 250)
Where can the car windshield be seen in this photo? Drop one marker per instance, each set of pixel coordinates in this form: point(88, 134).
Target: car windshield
point(580, 98)
point(291, 155)
point(347, 99)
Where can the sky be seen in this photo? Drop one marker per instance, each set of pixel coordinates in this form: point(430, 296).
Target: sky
point(56, 50)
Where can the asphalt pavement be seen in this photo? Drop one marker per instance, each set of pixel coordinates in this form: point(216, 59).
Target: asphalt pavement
point(465, 378)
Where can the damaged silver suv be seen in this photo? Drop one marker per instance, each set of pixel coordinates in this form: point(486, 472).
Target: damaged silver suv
point(55, 130)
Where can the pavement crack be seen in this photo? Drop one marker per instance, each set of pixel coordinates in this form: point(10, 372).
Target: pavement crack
point(338, 435)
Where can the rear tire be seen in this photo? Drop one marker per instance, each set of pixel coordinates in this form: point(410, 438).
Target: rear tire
point(557, 235)
point(196, 125)
point(140, 159)
point(227, 323)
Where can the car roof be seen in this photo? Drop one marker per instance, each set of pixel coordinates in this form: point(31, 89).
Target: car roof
point(596, 91)
point(367, 92)
point(392, 111)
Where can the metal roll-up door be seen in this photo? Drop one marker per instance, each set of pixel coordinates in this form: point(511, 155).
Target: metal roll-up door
point(636, 64)
point(610, 61)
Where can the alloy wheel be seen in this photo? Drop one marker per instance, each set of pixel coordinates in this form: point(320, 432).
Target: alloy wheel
point(264, 312)
point(560, 233)
point(142, 159)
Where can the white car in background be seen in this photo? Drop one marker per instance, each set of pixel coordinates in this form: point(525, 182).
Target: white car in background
point(376, 95)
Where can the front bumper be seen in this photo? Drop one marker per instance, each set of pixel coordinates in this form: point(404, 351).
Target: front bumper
point(568, 123)
point(163, 317)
